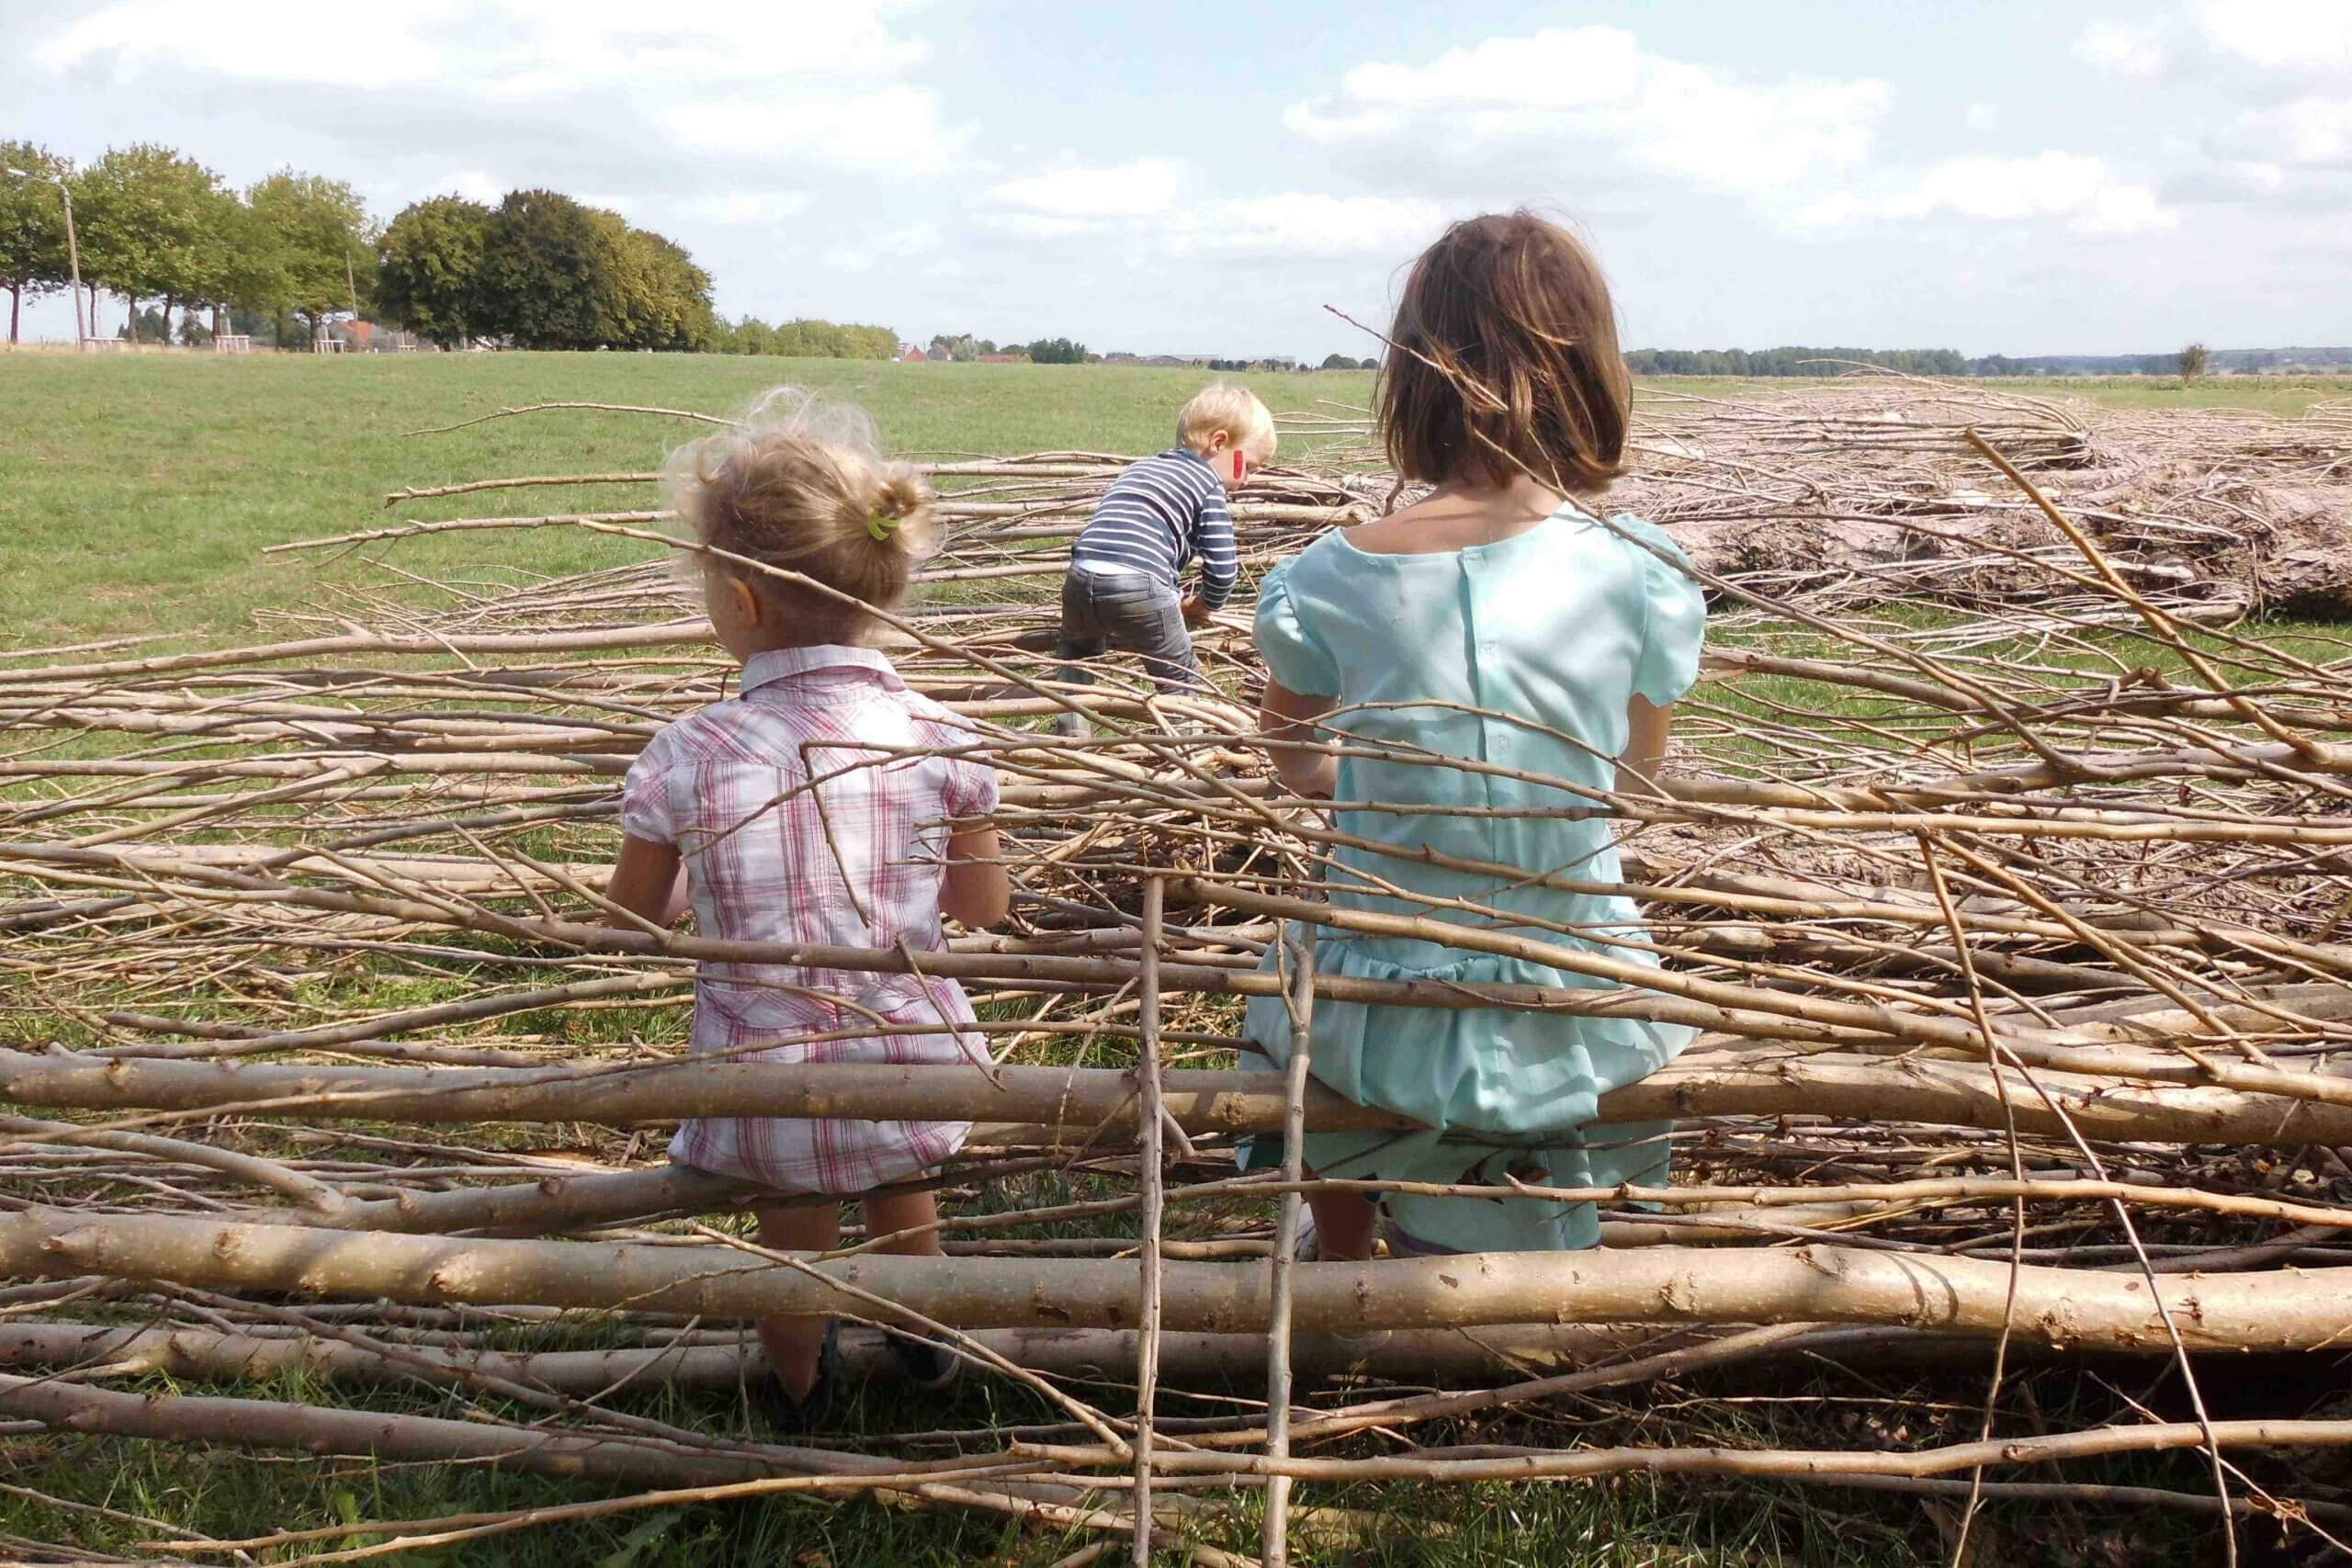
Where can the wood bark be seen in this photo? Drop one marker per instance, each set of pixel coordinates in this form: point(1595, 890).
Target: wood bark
point(1066, 1105)
point(2059, 1307)
point(1193, 1358)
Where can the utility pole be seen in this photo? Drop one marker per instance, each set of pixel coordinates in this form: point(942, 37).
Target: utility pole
point(74, 260)
point(73, 249)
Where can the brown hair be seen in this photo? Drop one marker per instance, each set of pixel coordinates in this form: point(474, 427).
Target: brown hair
point(799, 485)
point(1505, 354)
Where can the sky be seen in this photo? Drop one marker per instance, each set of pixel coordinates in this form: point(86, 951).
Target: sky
point(1207, 178)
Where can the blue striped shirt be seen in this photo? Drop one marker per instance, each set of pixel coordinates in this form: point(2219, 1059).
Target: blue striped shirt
point(1158, 516)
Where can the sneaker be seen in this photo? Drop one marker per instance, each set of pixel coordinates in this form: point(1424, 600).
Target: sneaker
point(788, 1416)
point(931, 1366)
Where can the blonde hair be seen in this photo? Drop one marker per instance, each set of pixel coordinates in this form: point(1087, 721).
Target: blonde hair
point(800, 483)
point(1234, 410)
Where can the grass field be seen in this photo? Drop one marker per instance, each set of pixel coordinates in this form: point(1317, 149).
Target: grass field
point(135, 494)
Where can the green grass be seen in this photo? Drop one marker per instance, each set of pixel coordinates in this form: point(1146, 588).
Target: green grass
point(136, 492)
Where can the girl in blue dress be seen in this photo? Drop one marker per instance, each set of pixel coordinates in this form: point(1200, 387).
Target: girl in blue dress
point(1499, 622)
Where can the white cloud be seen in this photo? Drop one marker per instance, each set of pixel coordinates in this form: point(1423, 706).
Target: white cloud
point(894, 129)
point(2234, 44)
point(888, 248)
point(2307, 133)
point(2080, 190)
point(2052, 184)
point(1983, 117)
point(1559, 96)
point(2125, 49)
point(2299, 37)
point(1141, 202)
point(746, 206)
point(2124, 210)
point(474, 185)
point(1306, 223)
point(1137, 190)
point(511, 48)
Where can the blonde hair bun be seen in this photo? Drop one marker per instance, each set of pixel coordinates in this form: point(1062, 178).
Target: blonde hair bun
point(800, 484)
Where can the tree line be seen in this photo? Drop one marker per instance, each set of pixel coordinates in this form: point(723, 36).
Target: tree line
point(152, 225)
point(539, 270)
point(1792, 361)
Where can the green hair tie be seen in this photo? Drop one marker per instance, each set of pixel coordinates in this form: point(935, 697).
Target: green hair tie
point(881, 528)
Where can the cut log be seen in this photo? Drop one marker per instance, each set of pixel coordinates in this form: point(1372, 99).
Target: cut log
point(2060, 1307)
point(1058, 1105)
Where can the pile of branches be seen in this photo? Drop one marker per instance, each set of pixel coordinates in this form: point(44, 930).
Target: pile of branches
point(1861, 496)
point(2013, 937)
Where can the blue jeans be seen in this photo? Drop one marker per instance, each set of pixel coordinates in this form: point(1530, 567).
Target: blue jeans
point(1132, 613)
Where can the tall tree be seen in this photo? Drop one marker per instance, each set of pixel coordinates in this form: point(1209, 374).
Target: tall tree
point(32, 226)
point(429, 265)
point(153, 224)
point(679, 314)
point(326, 245)
point(2192, 362)
point(547, 273)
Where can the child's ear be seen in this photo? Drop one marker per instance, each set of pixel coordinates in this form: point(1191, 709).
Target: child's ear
point(746, 601)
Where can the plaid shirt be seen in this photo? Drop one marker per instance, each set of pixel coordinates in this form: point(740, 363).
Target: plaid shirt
point(794, 826)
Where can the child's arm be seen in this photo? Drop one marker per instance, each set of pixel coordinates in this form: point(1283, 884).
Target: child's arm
point(1286, 716)
point(648, 881)
point(977, 892)
point(1646, 726)
point(1220, 568)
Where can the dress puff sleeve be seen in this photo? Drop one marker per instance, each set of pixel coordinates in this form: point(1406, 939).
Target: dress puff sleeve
point(1293, 656)
point(971, 791)
point(1674, 615)
point(645, 795)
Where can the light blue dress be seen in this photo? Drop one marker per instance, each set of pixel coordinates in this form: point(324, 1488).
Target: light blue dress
point(1522, 653)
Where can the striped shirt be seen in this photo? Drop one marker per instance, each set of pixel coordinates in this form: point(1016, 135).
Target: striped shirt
point(1158, 516)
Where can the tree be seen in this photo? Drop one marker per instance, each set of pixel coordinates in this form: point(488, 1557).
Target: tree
point(1057, 351)
point(151, 224)
point(665, 296)
point(254, 279)
point(32, 226)
point(324, 240)
point(547, 273)
point(428, 268)
point(1337, 362)
point(2192, 362)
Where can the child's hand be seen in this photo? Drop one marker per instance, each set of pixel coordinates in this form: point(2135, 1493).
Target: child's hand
point(1195, 613)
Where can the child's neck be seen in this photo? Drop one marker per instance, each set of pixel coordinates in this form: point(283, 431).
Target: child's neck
point(753, 642)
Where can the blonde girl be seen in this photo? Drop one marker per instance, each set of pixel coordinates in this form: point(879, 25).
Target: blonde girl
point(813, 807)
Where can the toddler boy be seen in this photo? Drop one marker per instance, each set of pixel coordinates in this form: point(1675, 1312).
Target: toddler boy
point(1125, 585)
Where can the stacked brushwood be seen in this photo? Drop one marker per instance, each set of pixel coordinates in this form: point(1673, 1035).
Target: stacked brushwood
point(2001, 870)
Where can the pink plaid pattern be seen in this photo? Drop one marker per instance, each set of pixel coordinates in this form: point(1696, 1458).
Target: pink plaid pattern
point(797, 823)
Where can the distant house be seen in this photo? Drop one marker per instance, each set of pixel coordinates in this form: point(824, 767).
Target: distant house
point(914, 355)
point(1004, 359)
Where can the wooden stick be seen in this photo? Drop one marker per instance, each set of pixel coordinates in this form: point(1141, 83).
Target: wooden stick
point(1811, 1283)
point(1152, 1175)
point(1298, 947)
point(1075, 1105)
